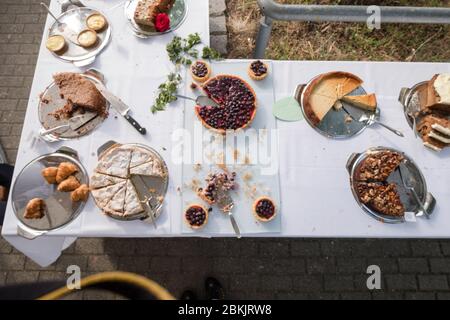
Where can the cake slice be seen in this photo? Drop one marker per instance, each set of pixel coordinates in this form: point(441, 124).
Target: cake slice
point(99, 180)
point(115, 163)
point(140, 156)
point(438, 95)
point(104, 195)
point(146, 12)
point(379, 166)
point(435, 132)
point(80, 93)
point(365, 102)
point(152, 168)
point(116, 205)
point(383, 198)
point(132, 203)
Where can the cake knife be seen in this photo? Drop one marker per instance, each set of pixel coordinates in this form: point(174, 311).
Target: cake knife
point(120, 107)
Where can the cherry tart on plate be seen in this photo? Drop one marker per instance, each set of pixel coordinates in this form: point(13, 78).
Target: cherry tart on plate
point(196, 216)
point(236, 101)
point(264, 209)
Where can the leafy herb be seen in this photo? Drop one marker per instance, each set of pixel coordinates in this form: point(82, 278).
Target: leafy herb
point(210, 53)
point(166, 92)
point(181, 52)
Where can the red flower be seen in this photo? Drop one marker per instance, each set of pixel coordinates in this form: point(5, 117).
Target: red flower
point(162, 22)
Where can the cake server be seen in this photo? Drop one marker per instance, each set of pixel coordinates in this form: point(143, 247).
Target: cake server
point(73, 123)
point(365, 118)
point(203, 101)
point(66, 31)
point(120, 107)
point(226, 204)
point(408, 183)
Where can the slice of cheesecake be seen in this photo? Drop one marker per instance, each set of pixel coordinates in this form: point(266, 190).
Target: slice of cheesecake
point(366, 102)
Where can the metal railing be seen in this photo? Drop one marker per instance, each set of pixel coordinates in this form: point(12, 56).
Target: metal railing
point(273, 11)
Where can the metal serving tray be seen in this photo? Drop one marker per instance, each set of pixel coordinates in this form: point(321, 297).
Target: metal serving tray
point(75, 18)
point(334, 124)
point(51, 93)
point(177, 15)
point(30, 184)
point(153, 210)
point(353, 165)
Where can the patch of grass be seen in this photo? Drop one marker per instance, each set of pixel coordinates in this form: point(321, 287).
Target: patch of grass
point(339, 41)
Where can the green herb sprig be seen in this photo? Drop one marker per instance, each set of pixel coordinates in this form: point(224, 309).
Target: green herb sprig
point(166, 92)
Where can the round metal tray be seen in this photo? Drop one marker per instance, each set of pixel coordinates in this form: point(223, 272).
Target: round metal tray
point(333, 125)
point(158, 184)
point(177, 15)
point(51, 93)
point(76, 19)
point(353, 166)
point(30, 184)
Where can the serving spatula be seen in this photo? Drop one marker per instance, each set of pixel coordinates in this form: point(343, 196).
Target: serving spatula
point(65, 30)
point(408, 183)
point(202, 101)
point(73, 123)
point(226, 204)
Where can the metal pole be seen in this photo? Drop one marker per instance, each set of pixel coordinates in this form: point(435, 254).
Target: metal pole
point(335, 13)
point(262, 40)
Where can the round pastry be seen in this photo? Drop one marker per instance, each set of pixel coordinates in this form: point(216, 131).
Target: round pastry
point(56, 44)
point(200, 71)
point(258, 70)
point(264, 209)
point(236, 100)
point(196, 216)
point(96, 22)
point(87, 38)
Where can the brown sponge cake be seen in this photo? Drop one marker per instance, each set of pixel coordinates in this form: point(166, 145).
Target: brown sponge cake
point(435, 132)
point(438, 93)
point(80, 92)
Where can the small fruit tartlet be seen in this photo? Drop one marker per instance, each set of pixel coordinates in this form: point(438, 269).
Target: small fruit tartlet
point(56, 44)
point(196, 216)
point(258, 70)
point(264, 209)
point(200, 71)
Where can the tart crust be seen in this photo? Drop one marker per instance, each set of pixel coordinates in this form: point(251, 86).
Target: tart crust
point(206, 216)
point(221, 76)
point(204, 78)
point(96, 22)
point(87, 38)
point(257, 216)
point(56, 44)
point(252, 74)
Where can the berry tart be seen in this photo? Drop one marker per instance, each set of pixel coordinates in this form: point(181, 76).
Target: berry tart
point(264, 209)
point(258, 70)
point(200, 71)
point(216, 184)
point(196, 216)
point(236, 101)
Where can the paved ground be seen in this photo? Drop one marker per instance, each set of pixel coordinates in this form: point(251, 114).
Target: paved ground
point(251, 268)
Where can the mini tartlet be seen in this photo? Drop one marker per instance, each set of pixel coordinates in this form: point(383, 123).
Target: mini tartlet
point(258, 70)
point(87, 38)
point(196, 216)
point(200, 71)
point(264, 209)
point(96, 22)
point(56, 44)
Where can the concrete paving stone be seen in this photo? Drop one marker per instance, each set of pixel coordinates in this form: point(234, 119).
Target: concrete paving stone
point(102, 263)
point(440, 265)
point(401, 282)
point(274, 248)
point(18, 277)
point(426, 248)
point(168, 264)
point(218, 25)
point(5, 247)
point(321, 265)
point(356, 296)
point(89, 246)
point(420, 296)
point(338, 283)
point(433, 282)
point(119, 246)
point(351, 265)
point(381, 295)
point(305, 248)
point(2, 278)
point(217, 7)
point(413, 265)
point(307, 283)
point(30, 265)
point(12, 262)
point(220, 43)
point(68, 260)
point(134, 264)
point(48, 276)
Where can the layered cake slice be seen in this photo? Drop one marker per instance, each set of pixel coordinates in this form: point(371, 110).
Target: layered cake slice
point(147, 10)
point(435, 132)
point(438, 93)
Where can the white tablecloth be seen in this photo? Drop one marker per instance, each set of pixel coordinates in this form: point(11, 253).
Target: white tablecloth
point(316, 200)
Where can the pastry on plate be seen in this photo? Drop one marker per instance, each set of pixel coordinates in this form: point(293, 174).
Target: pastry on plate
point(115, 162)
point(200, 71)
point(381, 197)
point(258, 70)
point(65, 169)
point(322, 93)
point(132, 203)
point(115, 205)
point(103, 195)
point(379, 166)
point(49, 174)
point(87, 38)
point(100, 180)
point(438, 93)
point(56, 44)
point(196, 216)
point(80, 93)
point(69, 185)
point(365, 102)
point(80, 194)
point(153, 168)
point(264, 209)
point(96, 22)
point(35, 209)
point(435, 131)
point(147, 10)
point(236, 101)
